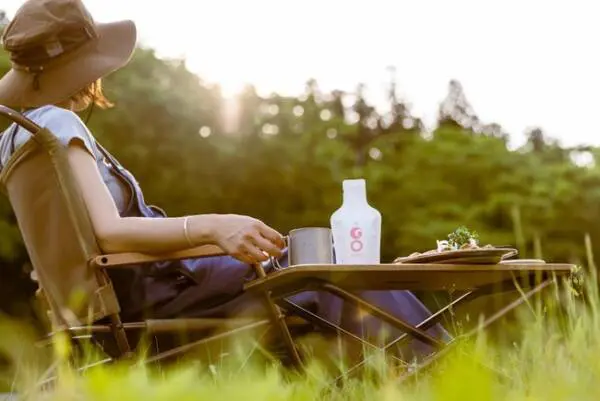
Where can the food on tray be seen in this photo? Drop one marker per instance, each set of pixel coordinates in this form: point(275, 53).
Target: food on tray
point(460, 239)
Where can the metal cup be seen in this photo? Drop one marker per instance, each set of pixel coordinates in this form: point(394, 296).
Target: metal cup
point(309, 246)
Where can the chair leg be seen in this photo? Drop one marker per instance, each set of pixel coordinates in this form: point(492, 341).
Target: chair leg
point(278, 319)
point(187, 347)
point(118, 331)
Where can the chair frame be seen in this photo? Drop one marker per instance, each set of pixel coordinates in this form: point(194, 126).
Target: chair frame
point(118, 328)
point(275, 290)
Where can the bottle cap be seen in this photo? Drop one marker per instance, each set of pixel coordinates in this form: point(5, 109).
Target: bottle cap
point(354, 185)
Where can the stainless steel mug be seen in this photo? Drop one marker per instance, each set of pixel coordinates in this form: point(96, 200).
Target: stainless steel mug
point(309, 246)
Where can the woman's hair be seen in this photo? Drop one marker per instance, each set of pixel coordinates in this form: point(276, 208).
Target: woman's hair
point(91, 94)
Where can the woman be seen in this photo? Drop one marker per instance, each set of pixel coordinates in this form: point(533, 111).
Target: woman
point(58, 57)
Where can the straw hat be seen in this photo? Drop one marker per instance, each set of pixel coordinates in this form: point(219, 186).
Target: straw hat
point(56, 49)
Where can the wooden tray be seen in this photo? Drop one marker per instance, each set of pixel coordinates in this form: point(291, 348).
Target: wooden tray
point(484, 256)
point(523, 262)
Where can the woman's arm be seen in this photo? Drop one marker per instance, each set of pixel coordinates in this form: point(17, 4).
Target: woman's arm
point(242, 237)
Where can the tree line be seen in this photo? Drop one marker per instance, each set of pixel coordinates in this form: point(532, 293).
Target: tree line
point(283, 159)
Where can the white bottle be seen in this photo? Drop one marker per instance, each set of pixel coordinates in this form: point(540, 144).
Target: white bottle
point(356, 227)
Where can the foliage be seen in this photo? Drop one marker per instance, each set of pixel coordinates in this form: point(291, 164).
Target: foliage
point(551, 356)
point(3, 20)
point(285, 158)
point(284, 162)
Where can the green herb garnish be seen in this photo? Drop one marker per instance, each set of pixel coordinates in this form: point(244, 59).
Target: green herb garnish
point(462, 236)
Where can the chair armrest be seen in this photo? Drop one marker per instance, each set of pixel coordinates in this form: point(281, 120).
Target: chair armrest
point(129, 258)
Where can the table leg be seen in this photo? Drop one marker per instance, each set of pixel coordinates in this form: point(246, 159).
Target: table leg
point(278, 320)
point(486, 323)
point(424, 325)
point(383, 315)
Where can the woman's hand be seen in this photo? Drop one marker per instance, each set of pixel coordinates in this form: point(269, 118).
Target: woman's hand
point(246, 238)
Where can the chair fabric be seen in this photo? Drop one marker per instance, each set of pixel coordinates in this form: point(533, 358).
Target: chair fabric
point(56, 230)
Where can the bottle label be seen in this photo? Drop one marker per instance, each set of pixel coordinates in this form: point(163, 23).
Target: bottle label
point(356, 236)
point(356, 241)
point(358, 244)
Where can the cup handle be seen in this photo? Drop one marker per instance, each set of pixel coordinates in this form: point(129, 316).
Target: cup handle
point(274, 261)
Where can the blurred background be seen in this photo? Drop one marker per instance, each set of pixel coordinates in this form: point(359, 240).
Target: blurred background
point(476, 113)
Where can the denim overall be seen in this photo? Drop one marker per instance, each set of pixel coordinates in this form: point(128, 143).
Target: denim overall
point(213, 286)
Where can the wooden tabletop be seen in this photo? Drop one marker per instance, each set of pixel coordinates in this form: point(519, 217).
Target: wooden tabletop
point(428, 277)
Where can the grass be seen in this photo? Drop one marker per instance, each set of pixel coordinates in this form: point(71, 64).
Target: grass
point(552, 355)
point(548, 352)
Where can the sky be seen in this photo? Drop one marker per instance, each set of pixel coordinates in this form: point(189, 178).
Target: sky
point(522, 63)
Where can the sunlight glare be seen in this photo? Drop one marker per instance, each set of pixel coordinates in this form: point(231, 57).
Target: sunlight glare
point(278, 46)
point(230, 86)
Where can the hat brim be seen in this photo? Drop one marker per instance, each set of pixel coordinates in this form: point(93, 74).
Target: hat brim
point(111, 50)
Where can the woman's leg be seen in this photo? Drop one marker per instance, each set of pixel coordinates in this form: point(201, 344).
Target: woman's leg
point(403, 305)
point(218, 291)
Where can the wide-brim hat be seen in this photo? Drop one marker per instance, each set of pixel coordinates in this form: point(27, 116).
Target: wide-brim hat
point(56, 49)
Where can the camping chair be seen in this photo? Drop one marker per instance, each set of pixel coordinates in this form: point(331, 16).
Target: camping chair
point(71, 268)
point(62, 247)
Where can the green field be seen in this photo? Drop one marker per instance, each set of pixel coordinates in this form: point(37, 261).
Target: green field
point(551, 355)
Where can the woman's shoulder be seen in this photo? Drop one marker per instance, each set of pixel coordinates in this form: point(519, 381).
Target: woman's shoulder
point(64, 124)
point(56, 117)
